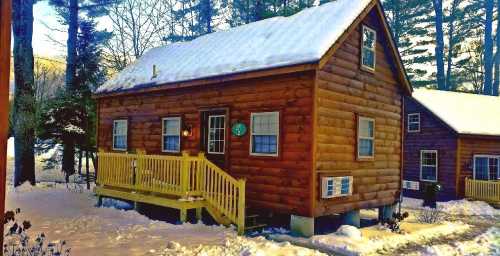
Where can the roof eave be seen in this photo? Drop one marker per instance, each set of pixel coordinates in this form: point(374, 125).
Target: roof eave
point(301, 67)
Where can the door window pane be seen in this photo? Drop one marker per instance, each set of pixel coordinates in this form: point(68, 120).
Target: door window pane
point(216, 134)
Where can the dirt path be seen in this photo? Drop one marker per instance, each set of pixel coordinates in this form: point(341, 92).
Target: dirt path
point(479, 225)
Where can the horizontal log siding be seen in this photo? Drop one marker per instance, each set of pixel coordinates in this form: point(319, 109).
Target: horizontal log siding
point(344, 91)
point(433, 135)
point(469, 147)
point(280, 184)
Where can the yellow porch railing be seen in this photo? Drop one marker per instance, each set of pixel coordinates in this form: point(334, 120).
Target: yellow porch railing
point(485, 190)
point(184, 176)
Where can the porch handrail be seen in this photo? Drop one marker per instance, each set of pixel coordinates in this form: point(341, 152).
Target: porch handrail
point(482, 190)
point(183, 176)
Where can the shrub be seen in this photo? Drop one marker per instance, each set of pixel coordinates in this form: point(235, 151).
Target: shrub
point(429, 215)
point(17, 241)
point(394, 224)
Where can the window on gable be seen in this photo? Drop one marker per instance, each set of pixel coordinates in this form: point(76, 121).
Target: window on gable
point(486, 167)
point(171, 134)
point(366, 137)
point(428, 165)
point(414, 122)
point(120, 135)
point(264, 133)
point(368, 45)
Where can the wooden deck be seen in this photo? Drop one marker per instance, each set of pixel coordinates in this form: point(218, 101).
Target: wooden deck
point(181, 182)
point(484, 190)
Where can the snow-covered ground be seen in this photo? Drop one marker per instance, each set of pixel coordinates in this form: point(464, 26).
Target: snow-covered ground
point(458, 207)
point(69, 214)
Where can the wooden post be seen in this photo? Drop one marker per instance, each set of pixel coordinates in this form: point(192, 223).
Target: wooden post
point(183, 216)
point(5, 14)
point(198, 214)
point(241, 206)
point(201, 172)
point(185, 173)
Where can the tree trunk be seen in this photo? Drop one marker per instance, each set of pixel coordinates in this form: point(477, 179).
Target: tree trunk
point(488, 48)
point(438, 9)
point(80, 155)
point(68, 162)
point(451, 44)
point(87, 171)
point(24, 94)
point(497, 55)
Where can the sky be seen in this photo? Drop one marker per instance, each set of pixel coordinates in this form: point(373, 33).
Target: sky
point(45, 25)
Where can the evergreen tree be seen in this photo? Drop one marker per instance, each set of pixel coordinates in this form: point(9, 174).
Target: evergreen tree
point(70, 10)
point(488, 48)
point(408, 22)
point(24, 94)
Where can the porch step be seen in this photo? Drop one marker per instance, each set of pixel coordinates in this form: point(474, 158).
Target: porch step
point(255, 227)
point(252, 222)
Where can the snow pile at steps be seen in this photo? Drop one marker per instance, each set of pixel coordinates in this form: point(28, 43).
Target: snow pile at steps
point(487, 243)
point(457, 207)
point(275, 42)
point(337, 243)
point(62, 214)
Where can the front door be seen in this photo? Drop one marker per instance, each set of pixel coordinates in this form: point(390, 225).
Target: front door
point(213, 136)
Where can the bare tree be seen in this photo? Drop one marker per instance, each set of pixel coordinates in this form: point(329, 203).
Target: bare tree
point(137, 26)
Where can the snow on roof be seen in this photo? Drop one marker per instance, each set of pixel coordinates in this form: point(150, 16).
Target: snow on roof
point(276, 42)
point(464, 112)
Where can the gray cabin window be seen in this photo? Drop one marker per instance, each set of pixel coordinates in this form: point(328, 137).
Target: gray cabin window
point(368, 48)
point(120, 134)
point(486, 167)
point(429, 165)
point(264, 129)
point(366, 137)
point(171, 134)
point(414, 122)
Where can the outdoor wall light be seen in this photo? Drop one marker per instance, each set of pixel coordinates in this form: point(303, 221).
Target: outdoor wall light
point(187, 131)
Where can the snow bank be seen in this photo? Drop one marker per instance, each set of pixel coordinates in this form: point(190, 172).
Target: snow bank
point(375, 239)
point(71, 216)
point(487, 243)
point(457, 207)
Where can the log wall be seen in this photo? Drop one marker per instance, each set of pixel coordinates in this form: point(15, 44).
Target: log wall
point(344, 91)
point(279, 184)
point(433, 135)
point(470, 146)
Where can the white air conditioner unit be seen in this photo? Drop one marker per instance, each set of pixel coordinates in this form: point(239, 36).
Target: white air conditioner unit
point(411, 185)
point(336, 186)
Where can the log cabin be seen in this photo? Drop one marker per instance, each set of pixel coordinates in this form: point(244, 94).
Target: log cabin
point(452, 139)
point(299, 115)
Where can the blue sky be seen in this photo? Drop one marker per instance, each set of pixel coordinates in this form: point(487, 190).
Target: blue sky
point(42, 45)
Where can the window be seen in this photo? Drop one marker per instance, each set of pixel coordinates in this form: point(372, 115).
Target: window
point(171, 134)
point(336, 186)
point(369, 40)
point(486, 167)
point(366, 137)
point(428, 165)
point(120, 135)
point(216, 134)
point(414, 122)
point(264, 133)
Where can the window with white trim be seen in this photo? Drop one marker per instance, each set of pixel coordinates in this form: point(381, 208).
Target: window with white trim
point(369, 41)
point(171, 134)
point(429, 165)
point(486, 167)
point(216, 134)
point(366, 137)
point(120, 134)
point(264, 129)
point(414, 122)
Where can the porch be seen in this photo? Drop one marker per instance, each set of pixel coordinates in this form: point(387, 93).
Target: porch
point(181, 182)
point(485, 190)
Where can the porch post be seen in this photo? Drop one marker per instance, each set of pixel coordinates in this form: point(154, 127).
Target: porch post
point(183, 215)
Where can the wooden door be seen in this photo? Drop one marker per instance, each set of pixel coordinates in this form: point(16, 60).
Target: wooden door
point(214, 136)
